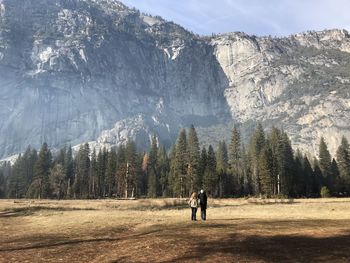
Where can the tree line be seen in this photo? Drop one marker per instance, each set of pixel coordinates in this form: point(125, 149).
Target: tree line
point(265, 166)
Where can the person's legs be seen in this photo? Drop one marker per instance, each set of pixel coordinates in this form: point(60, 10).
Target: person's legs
point(203, 214)
point(195, 214)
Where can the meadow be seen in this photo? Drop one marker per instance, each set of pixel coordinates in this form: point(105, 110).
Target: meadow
point(160, 230)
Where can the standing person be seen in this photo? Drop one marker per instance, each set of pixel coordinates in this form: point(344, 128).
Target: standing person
point(203, 204)
point(193, 202)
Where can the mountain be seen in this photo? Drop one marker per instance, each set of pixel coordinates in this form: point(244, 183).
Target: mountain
point(98, 71)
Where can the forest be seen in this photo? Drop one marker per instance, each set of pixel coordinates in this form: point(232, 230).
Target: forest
point(267, 166)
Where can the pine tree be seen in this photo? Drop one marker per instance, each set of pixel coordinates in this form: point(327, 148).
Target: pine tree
point(265, 171)
point(40, 187)
point(111, 171)
point(210, 179)
point(180, 166)
point(193, 160)
point(153, 176)
point(57, 181)
point(164, 170)
point(299, 181)
point(285, 159)
point(69, 170)
point(309, 177)
point(222, 169)
point(93, 181)
point(325, 160)
point(334, 178)
point(82, 170)
point(144, 177)
point(202, 165)
point(257, 143)
point(343, 160)
point(101, 172)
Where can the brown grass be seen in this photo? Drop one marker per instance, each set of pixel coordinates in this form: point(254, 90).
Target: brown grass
point(159, 230)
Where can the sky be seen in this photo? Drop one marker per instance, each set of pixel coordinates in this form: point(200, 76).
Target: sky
point(255, 17)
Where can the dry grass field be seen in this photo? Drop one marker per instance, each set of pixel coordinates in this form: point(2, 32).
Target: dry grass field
point(237, 230)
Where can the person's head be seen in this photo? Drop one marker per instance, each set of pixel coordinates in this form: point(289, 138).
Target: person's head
point(202, 191)
point(194, 195)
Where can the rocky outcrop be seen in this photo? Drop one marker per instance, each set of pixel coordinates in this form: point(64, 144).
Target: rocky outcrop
point(76, 67)
point(299, 83)
point(96, 71)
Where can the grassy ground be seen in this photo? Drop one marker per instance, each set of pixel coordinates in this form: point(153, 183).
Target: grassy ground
point(239, 230)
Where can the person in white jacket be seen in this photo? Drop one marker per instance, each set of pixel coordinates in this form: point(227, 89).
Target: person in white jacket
point(193, 202)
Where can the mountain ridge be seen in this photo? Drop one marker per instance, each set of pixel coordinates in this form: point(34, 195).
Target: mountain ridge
point(83, 70)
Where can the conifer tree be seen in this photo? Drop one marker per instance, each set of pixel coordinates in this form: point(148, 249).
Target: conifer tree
point(325, 161)
point(111, 171)
point(193, 159)
point(40, 187)
point(343, 160)
point(224, 184)
point(266, 170)
point(257, 143)
point(164, 170)
point(69, 170)
point(309, 177)
point(202, 166)
point(82, 170)
point(180, 182)
point(57, 181)
point(93, 181)
point(153, 176)
point(210, 179)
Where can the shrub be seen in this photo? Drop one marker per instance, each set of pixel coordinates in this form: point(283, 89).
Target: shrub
point(324, 192)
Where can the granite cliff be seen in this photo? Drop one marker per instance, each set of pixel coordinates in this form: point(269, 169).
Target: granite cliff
point(98, 71)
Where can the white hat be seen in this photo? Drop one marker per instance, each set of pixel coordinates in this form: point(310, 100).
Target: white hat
point(202, 191)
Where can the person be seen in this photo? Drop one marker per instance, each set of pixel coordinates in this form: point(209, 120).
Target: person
point(193, 202)
point(203, 204)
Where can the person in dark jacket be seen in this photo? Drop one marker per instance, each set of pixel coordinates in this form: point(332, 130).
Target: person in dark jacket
point(202, 197)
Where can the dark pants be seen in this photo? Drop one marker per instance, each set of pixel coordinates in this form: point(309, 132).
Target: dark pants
point(204, 214)
point(194, 212)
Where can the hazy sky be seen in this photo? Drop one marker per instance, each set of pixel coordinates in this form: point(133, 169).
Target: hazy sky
point(259, 17)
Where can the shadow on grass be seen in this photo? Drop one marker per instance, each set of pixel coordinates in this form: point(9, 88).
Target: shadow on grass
point(275, 248)
point(27, 211)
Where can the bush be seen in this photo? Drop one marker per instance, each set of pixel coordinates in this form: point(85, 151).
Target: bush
point(324, 192)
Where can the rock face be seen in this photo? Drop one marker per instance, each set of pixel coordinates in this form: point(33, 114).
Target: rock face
point(95, 70)
point(76, 67)
point(300, 83)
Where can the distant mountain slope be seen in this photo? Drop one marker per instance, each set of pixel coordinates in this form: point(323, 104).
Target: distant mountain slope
point(98, 71)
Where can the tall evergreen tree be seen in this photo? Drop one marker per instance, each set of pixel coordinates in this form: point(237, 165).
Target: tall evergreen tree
point(257, 143)
point(266, 171)
point(111, 171)
point(153, 176)
point(69, 170)
point(40, 187)
point(82, 170)
point(325, 161)
point(58, 181)
point(93, 175)
point(193, 159)
point(210, 179)
point(202, 165)
point(164, 171)
point(222, 170)
point(180, 181)
point(343, 160)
